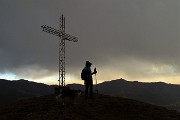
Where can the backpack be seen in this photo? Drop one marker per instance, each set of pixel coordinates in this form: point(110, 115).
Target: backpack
point(84, 74)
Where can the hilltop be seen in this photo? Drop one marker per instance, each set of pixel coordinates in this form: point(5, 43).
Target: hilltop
point(103, 107)
point(157, 93)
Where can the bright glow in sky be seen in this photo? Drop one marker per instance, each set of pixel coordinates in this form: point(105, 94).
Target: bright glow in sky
point(8, 76)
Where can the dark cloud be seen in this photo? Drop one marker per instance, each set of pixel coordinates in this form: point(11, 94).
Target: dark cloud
point(112, 34)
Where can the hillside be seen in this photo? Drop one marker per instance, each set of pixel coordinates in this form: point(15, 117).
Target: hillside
point(101, 108)
point(158, 93)
point(20, 89)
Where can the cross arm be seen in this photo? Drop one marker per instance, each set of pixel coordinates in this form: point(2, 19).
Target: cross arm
point(56, 32)
point(71, 38)
point(50, 30)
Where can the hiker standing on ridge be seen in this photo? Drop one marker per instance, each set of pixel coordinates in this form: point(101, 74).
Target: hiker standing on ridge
point(86, 75)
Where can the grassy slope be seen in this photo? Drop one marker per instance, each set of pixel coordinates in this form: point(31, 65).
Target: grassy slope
point(101, 108)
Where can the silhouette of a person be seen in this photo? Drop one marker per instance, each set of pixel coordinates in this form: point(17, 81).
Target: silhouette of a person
point(88, 81)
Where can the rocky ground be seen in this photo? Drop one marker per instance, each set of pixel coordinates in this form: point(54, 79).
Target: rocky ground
point(102, 107)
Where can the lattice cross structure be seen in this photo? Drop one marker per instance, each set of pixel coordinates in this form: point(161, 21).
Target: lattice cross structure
point(63, 37)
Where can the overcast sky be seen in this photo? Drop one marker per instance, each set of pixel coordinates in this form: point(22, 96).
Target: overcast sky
point(138, 40)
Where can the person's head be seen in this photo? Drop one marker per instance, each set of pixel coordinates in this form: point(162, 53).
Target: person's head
point(88, 64)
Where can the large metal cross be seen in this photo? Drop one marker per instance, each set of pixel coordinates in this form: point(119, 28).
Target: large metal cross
point(63, 36)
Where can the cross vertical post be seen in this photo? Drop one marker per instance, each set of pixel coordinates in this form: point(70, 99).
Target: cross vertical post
point(62, 53)
point(63, 37)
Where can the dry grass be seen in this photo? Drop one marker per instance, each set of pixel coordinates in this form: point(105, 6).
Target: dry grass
point(101, 108)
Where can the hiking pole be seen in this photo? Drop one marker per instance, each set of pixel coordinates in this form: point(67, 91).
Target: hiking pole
point(96, 81)
point(96, 85)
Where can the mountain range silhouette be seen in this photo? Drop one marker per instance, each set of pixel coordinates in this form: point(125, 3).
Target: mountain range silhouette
point(158, 93)
point(23, 99)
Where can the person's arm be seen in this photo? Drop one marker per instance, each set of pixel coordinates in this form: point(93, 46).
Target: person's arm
point(94, 71)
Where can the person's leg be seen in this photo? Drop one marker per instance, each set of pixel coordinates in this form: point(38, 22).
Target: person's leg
point(86, 90)
point(91, 90)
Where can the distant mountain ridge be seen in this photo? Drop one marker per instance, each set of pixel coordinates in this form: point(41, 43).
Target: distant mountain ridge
point(157, 93)
point(20, 89)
